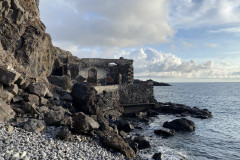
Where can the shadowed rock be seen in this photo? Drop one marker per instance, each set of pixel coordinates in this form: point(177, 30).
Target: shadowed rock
point(182, 124)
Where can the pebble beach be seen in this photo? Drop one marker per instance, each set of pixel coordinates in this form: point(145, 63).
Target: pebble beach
point(16, 143)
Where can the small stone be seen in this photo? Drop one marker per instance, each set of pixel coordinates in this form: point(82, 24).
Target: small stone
point(23, 154)
point(15, 156)
point(10, 128)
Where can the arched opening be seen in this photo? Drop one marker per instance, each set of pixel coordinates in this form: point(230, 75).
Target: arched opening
point(92, 76)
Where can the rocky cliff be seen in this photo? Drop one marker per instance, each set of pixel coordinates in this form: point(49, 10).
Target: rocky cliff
point(24, 45)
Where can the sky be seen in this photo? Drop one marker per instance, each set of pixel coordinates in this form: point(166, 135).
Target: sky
point(169, 40)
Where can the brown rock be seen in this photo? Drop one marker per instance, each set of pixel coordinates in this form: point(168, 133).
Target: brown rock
point(33, 98)
point(6, 112)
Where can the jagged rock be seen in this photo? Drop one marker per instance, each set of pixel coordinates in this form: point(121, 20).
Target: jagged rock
point(6, 112)
point(53, 118)
point(165, 132)
point(158, 156)
point(125, 126)
point(8, 77)
point(66, 97)
point(142, 142)
point(68, 122)
point(20, 81)
point(44, 110)
point(132, 144)
point(12, 89)
point(39, 89)
point(34, 125)
point(182, 124)
point(33, 98)
point(17, 99)
point(116, 142)
point(6, 96)
point(43, 101)
point(29, 107)
point(84, 123)
point(65, 135)
point(61, 81)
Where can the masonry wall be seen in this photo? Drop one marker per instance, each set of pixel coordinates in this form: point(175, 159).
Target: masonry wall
point(136, 94)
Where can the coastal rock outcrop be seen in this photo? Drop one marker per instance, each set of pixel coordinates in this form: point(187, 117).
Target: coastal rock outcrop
point(164, 132)
point(182, 124)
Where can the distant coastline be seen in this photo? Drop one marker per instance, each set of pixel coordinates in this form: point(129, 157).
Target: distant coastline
point(150, 81)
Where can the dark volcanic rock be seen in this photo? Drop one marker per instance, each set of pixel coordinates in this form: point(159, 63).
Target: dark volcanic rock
point(142, 142)
point(84, 123)
point(39, 89)
point(34, 125)
point(172, 108)
point(8, 77)
point(65, 135)
point(157, 156)
point(182, 124)
point(164, 132)
point(125, 126)
point(113, 140)
point(54, 118)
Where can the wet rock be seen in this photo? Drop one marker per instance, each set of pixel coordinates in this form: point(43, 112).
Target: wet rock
point(39, 89)
point(158, 156)
point(6, 112)
point(65, 135)
point(132, 144)
point(125, 126)
point(7, 76)
point(53, 118)
point(113, 140)
point(34, 125)
point(12, 89)
point(164, 132)
point(84, 123)
point(182, 124)
point(142, 142)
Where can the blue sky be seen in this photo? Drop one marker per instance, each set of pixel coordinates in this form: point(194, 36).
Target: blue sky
point(169, 40)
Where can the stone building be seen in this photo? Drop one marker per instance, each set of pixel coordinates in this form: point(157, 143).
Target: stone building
point(105, 71)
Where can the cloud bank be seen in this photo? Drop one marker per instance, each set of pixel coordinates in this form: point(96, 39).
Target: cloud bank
point(91, 23)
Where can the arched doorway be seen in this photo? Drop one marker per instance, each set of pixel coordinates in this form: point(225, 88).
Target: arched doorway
point(92, 76)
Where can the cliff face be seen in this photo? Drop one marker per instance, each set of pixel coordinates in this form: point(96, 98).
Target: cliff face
point(24, 45)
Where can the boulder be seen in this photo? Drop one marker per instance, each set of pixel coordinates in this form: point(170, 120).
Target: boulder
point(125, 126)
point(29, 107)
point(142, 142)
point(17, 99)
point(65, 135)
point(6, 96)
point(6, 112)
point(158, 156)
point(68, 122)
point(54, 118)
point(113, 140)
point(182, 124)
point(84, 123)
point(12, 89)
point(164, 132)
point(8, 77)
point(43, 101)
point(39, 89)
point(34, 125)
point(32, 98)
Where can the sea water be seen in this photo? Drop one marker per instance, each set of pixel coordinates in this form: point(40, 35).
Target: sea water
point(215, 138)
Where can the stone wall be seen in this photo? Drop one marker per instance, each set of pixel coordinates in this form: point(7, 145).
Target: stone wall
point(136, 94)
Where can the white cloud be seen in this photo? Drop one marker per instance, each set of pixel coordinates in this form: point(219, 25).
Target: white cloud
point(227, 30)
point(92, 23)
point(189, 13)
point(187, 45)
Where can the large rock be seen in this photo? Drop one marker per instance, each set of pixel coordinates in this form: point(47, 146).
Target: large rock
point(54, 118)
point(84, 123)
point(6, 96)
point(32, 98)
point(39, 89)
point(142, 142)
point(158, 156)
point(7, 76)
point(29, 107)
point(125, 126)
point(182, 124)
point(116, 142)
point(34, 125)
point(6, 112)
point(65, 135)
point(164, 132)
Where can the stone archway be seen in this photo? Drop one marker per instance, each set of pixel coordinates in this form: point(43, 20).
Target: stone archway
point(92, 76)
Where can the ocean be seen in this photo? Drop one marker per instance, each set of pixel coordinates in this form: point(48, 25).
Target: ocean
point(217, 138)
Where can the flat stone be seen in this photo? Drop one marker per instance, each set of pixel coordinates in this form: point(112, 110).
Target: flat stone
point(7, 76)
point(6, 112)
point(39, 89)
point(34, 125)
